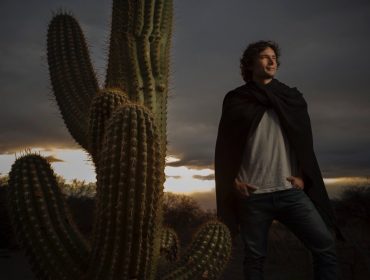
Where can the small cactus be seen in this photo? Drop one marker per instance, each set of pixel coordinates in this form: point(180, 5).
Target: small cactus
point(123, 128)
point(205, 258)
point(169, 244)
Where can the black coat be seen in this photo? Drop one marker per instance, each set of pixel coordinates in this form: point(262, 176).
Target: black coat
point(242, 111)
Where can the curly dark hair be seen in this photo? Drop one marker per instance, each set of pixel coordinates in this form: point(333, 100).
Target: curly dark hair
point(251, 52)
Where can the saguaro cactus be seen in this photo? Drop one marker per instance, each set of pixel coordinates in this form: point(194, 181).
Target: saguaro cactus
point(123, 128)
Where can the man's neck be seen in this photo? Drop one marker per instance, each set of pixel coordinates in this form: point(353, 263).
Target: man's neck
point(262, 81)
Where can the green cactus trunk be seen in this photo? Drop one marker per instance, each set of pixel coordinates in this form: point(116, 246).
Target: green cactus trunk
point(123, 128)
point(129, 195)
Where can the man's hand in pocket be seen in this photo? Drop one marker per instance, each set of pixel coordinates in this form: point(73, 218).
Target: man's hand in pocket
point(297, 182)
point(243, 188)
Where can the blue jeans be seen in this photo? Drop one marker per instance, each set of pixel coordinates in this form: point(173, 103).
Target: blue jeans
point(294, 209)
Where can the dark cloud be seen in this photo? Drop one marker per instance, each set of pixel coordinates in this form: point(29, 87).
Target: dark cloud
point(53, 159)
point(174, 177)
point(206, 177)
point(324, 53)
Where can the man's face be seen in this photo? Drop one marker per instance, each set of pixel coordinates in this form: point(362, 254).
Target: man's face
point(265, 64)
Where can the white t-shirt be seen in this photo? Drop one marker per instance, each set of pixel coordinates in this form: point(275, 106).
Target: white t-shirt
point(268, 158)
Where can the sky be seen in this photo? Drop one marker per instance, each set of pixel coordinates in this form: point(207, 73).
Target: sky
point(324, 46)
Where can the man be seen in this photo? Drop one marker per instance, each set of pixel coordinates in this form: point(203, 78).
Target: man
point(266, 168)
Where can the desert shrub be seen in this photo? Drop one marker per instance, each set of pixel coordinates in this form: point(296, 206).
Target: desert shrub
point(7, 239)
point(77, 189)
point(184, 215)
point(353, 204)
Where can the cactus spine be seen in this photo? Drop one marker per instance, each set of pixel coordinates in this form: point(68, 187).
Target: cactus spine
point(123, 128)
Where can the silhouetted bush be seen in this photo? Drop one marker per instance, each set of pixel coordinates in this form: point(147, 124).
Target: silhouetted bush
point(354, 203)
point(77, 189)
point(184, 215)
point(80, 197)
point(7, 239)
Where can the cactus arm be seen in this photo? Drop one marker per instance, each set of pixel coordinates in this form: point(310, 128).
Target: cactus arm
point(169, 249)
point(101, 110)
point(169, 244)
point(206, 257)
point(164, 70)
point(71, 73)
point(42, 221)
